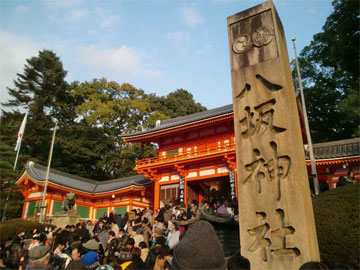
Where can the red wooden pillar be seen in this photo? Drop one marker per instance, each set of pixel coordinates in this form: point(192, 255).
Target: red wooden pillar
point(48, 205)
point(185, 192)
point(23, 209)
point(131, 202)
point(157, 195)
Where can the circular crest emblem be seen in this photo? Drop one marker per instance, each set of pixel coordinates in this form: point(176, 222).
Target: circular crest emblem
point(242, 44)
point(262, 36)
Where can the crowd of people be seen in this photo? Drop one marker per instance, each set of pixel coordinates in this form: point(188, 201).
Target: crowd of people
point(141, 239)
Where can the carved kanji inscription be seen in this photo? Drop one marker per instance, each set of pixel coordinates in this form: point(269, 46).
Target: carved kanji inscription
point(274, 169)
point(281, 234)
point(259, 233)
point(262, 117)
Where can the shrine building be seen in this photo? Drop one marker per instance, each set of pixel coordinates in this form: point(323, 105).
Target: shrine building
point(196, 157)
point(196, 160)
point(92, 198)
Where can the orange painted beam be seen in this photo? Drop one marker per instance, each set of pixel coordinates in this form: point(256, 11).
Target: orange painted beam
point(334, 161)
point(23, 209)
point(48, 204)
point(157, 195)
point(194, 155)
point(131, 203)
point(185, 193)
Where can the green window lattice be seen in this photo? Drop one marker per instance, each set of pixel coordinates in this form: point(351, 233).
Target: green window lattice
point(121, 210)
point(31, 209)
point(83, 211)
point(100, 212)
point(57, 207)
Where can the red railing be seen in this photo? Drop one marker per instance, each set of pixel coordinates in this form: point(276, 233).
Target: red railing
point(195, 151)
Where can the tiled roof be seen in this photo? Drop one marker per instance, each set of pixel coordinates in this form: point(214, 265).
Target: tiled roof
point(187, 119)
point(179, 121)
point(336, 149)
point(38, 173)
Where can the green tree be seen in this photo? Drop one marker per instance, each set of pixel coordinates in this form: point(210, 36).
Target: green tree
point(330, 71)
point(43, 88)
point(113, 109)
point(9, 192)
point(179, 103)
point(8, 130)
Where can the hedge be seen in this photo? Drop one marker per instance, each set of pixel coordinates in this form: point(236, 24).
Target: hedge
point(337, 224)
point(9, 228)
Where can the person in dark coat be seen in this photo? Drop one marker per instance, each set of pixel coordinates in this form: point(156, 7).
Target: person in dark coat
point(66, 236)
point(84, 233)
point(76, 263)
point(112, 247)
point(137, 263)
point(19, 238)
point(123, 239)
point(155, 251)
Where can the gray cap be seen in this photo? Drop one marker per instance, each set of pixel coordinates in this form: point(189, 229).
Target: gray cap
point(92, 245)
point(38, 252)
point(190, 253)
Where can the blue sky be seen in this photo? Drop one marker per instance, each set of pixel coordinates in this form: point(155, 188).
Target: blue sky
point(156, 45)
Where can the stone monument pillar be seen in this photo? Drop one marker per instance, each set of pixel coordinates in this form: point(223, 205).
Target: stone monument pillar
point(277, 228)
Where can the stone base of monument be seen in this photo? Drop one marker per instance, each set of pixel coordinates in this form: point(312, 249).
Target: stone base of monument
point(60, 220)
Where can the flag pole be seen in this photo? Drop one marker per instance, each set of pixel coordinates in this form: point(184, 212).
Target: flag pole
point(308, 135)
point(18, 146)
point(17, 155)
point(43, 210)
point(20, 136)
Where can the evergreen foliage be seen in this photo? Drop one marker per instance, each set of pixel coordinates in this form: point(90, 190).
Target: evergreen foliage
point(330, 72)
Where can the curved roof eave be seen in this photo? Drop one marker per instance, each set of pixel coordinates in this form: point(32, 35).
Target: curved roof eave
point(182, 121)
point(37, 172)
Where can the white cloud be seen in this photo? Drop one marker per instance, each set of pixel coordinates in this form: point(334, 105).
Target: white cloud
point(77, 14)
point(65, 11)
point(179, 36)
point(312, 11)
point(61, 4)
point(191, 17)
point(117, 63)
point(106, 18)
point(21, 9)
point(180, 40)
point(14, 50)
point(203, 50)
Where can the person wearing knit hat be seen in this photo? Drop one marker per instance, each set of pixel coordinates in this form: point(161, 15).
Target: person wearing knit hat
point(91, 245)
point(90, 260)
point(38, 252)
point(158, 234)
point(39, 258)
point(200, 248)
